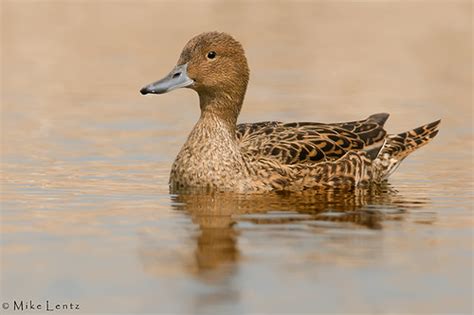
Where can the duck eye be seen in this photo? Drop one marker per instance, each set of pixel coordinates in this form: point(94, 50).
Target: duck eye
point(211, 55)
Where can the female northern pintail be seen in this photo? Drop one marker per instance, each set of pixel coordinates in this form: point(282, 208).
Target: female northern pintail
point(271, 155)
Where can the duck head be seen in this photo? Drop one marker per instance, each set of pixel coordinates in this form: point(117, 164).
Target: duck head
point(214, 65)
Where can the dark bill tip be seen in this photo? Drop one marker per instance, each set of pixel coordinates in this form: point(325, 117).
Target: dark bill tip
point(145, 90)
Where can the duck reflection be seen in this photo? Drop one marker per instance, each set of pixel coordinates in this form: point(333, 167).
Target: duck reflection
point(214, 214)
point(217, 213)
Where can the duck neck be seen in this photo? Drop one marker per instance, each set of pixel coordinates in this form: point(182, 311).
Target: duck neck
point(213, 138)
point(220, 111)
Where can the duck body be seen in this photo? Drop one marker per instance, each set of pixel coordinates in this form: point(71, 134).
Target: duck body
point(271, 156)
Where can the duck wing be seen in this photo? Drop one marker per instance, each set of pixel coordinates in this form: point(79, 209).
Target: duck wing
point(310, 142)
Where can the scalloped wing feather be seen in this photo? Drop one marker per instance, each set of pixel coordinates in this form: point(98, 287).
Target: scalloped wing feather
point(306, 142)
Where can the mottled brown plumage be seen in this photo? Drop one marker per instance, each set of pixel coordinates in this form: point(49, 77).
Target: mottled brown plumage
point(220, 155)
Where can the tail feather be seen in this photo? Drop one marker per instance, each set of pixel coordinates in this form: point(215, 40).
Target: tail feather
point(399, 146)
point(379, 118)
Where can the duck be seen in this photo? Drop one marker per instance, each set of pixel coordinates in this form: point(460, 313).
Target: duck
point(221, 155)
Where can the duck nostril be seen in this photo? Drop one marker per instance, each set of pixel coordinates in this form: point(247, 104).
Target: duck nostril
point(176, 75)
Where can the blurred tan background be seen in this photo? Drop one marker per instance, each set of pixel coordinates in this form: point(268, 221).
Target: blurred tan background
point(66, 62)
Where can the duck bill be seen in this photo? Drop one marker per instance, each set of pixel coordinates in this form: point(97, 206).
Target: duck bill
point(178, 78)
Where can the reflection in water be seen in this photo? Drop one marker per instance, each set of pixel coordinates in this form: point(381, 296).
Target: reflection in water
point(217, 213)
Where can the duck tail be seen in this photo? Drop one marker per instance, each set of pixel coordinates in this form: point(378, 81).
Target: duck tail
point(397, 147)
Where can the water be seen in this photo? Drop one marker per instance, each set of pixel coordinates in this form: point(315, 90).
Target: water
point(87, 217)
